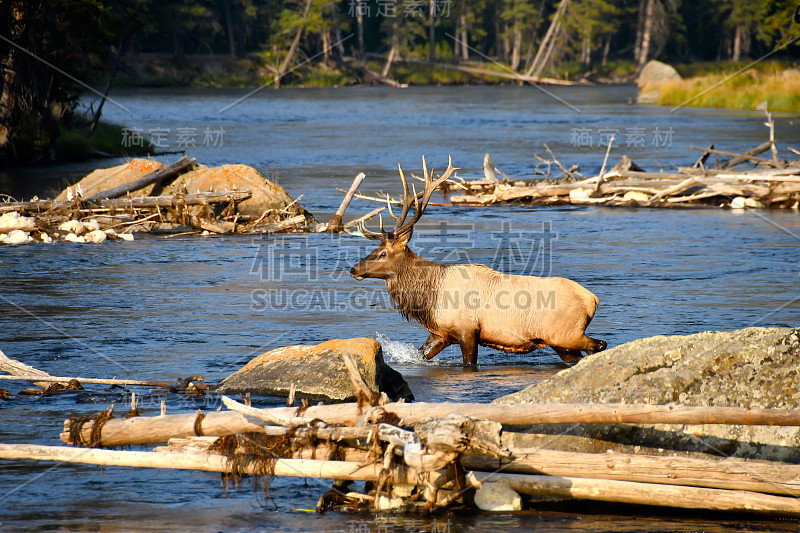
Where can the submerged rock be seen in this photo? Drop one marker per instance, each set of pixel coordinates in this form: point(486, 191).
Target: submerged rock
point(318, 372)
point(753, 367)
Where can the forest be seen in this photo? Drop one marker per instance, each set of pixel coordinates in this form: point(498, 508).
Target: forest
point(51, 49)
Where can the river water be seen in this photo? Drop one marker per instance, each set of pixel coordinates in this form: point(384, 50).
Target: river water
point(163, 308)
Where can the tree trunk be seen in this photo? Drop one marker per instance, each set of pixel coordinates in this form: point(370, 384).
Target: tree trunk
point(647, 32)
point(393, 50)
point(516, 47)
point(462, 34)
point(432, 31)
point(360, 30)
point(737, 43)
point(8, 99)
point(546, 46)
point(293, 48)
point(606, 50)
point(498, 32)
point(229, 24)
point(637, 46)
point(326, 45)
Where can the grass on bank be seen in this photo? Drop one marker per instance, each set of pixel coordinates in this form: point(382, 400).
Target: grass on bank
point(79, 145)
point(780, 89)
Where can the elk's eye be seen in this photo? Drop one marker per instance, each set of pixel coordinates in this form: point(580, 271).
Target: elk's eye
point(382, 255)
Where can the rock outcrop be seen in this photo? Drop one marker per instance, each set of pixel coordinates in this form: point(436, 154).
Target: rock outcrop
point(318, 372)
point(753, 367)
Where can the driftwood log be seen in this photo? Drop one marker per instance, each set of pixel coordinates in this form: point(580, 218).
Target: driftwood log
point(145, 430)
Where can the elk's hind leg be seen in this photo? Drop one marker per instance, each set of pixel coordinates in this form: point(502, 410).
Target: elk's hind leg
point(572, 352)
point(567, 355)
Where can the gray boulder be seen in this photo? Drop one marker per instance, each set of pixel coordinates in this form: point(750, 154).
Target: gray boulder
point(318, 372)
point(753, 367)
point(650, 79)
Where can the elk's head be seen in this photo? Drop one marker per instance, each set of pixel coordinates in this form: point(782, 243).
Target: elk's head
point(384, 260)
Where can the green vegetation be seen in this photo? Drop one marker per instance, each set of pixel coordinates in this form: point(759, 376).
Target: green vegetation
point(780, 89)
point(328, 43)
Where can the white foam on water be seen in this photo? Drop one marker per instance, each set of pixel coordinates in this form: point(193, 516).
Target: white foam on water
point(403, 353)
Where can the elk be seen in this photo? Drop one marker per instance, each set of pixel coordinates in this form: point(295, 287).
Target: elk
point(472, 304)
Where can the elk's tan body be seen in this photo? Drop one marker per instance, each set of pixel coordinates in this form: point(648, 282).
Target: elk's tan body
point(513, 313)
point(472, 304)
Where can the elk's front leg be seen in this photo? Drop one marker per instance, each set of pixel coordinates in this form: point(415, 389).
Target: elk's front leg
point(433, 346)
point(469, 347)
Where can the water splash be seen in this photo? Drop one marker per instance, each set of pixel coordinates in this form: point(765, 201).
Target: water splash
point(403, 353)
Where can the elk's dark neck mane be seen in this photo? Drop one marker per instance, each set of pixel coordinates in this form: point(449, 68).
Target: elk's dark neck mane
point(415, 287)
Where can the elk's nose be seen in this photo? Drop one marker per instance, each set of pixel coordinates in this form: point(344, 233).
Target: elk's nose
point(353, 271)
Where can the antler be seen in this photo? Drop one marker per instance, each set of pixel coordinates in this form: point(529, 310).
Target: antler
point(367, 234)
point(401, 228)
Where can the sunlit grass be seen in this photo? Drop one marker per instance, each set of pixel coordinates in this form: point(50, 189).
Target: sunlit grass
point(780, 89)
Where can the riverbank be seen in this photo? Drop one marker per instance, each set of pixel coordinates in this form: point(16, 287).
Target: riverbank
point(163, 70)
point(730, 86)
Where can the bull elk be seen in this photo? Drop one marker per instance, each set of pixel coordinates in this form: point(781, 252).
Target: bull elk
point(472, 304)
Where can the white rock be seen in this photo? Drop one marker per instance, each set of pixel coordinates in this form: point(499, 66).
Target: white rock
point(636, 196)
point(16, 236)
point(46, 238)
point(111, 232)
point(740, 202)
point(14, 221)
point(580, 193)
point(497, 497)
point(385, 504)
point(73, 226)
point(752, 202)
point(96, 236)
point(71, 237)
point(402, 490)
point(205, 232)
point(125, 236)
point(92, 225)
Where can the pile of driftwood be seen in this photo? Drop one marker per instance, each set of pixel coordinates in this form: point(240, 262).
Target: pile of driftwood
point(115, 214)
point(768, 183)
point(424, 457)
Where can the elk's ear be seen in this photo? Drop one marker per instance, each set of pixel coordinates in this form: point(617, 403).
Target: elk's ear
point(401, 241)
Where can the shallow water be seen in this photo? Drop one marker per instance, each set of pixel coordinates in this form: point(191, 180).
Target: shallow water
point(163, 308)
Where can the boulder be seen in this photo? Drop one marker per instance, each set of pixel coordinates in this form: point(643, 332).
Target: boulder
point(655, 73)
point(753, 367)
point(318, 372)
point(651, 77)
point(103, 179)
point(266, 195)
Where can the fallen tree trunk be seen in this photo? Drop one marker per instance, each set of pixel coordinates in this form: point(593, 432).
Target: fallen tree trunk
point(198, 461)
point(136, 202)
point(143, 430)
point(730, 473)
point(38, 377)
point(642, 493)
point(535, 485)
point(184, 164)
point(48, 379)
point(335, 223)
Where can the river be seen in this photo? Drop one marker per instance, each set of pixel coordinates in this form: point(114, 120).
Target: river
point(163, 308)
